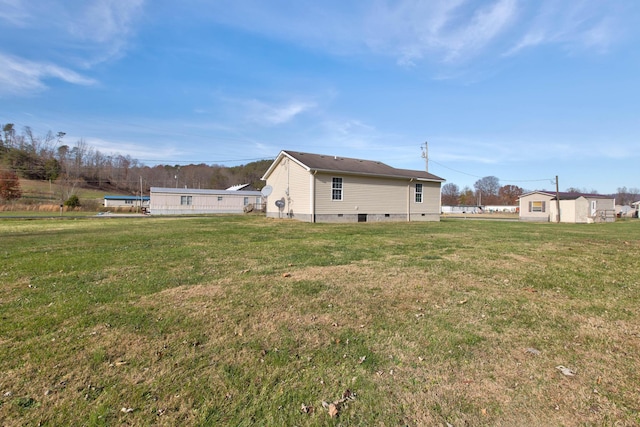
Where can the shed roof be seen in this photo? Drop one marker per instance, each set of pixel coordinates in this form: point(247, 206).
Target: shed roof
point(327, 163)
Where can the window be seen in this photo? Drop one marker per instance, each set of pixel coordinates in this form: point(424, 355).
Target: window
point(185, 200)
point(219, 198)
point(537, 206)
point(245, 201)
point(418, 193)
point(128, 202)
point(336, 189)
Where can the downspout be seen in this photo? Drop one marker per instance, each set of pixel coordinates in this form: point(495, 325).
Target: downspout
point(313, 195)
point(409, 200)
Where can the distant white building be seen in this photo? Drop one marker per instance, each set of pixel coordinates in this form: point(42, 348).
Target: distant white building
point(125, 201)
point(180, 201)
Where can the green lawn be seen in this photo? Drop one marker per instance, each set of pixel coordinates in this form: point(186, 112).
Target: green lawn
point(241, 320)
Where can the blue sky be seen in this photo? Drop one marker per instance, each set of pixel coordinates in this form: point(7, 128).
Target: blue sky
point(522, 90)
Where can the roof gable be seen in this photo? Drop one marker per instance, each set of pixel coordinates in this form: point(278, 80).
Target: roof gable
point(347, 165)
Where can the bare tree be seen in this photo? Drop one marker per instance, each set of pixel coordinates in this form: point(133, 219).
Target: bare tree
point(467, 197)
point(450, 194)
point(487, 189)
point(509, 194)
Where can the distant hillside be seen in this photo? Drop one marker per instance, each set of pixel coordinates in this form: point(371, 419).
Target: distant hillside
point(52, 171)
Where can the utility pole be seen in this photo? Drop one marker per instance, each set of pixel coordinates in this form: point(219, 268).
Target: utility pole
point(425, 154)
point(557, 201)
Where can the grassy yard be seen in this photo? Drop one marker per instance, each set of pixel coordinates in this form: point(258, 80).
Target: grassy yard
point(240, 320)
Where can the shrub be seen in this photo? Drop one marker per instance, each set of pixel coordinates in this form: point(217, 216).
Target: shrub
point(9, 186)
point(72, 202)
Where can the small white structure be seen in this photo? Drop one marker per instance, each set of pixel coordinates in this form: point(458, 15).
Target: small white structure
point(574, 207)
point(321, 188)
point(500, 209)
point(180, 201)
point(462, 209)
point(126, 201)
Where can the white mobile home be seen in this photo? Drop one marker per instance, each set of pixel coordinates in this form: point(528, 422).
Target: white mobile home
point(177, 201)
point(321, 188)
point(574, 207)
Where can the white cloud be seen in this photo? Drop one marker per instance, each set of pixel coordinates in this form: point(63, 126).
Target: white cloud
point(106, 20)
point(448, 32)
point(136, 151)
point(20, 76)
point(13, 12)
point(273, 115)
point(72, 33)
point(573, 25)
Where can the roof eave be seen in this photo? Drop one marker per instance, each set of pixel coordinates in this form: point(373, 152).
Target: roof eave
point(374, 175)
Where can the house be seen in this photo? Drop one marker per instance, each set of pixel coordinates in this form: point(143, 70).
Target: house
point(176, 201)
point(574, 207)
point(321, 188)
point(125, 201)
point(534, 206)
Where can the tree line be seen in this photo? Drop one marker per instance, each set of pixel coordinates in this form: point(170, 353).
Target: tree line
point(488, 191)
point(48, 157)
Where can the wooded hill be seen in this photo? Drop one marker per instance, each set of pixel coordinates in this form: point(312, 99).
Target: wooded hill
point(48, 158)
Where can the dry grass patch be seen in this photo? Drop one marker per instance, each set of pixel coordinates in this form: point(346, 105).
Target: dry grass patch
point(226, 321)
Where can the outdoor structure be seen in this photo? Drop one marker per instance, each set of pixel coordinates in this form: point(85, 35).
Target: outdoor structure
point(126, 201)
point(476, 209)
point(177, 201)
point(574, 207)
point(321, 188)
point(462, 209)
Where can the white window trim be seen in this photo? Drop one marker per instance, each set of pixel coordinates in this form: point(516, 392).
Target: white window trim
point(341, 189)
point(421, 193)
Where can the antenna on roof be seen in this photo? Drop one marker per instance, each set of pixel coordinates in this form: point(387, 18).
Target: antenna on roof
point(425, 154)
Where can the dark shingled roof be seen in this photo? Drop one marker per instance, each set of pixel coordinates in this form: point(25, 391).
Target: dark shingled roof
point(326, 163)
point(563, 195)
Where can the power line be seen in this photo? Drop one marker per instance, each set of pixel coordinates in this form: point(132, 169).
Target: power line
point(504, 180)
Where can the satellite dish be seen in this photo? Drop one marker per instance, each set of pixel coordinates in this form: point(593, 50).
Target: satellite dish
point(266, 190)
point(280, 203)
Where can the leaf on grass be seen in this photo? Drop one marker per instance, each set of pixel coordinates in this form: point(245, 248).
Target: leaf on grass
point(566, 371)
point(464, 301)
point(362, 359)
point(126, 410)
point(533, 351)
point(306, 409)
point(333, 410)
point(286, 274)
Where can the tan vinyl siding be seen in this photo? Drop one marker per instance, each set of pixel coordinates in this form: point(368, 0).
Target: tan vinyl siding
point(289, 175)
point(579, 210)
point(372, 195)
point(526, 212)
point(371, 191)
